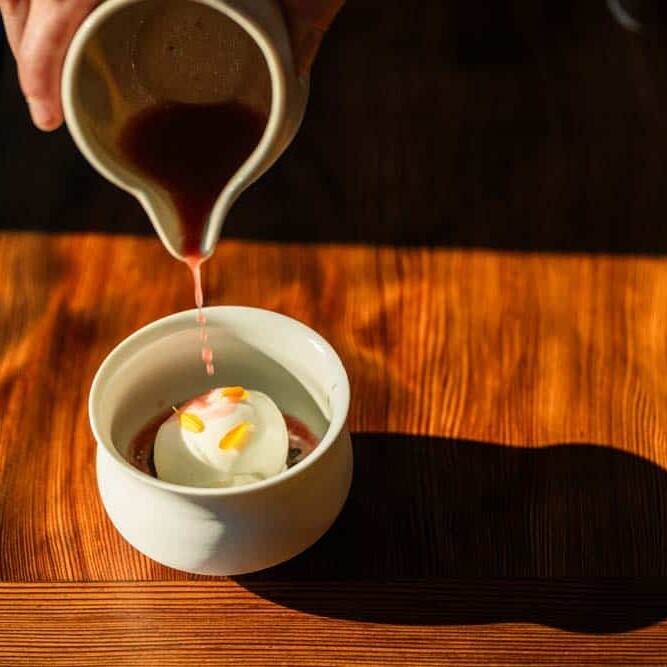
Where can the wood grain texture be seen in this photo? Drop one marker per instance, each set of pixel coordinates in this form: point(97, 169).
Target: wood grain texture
point(123, 624)
point(508, 413)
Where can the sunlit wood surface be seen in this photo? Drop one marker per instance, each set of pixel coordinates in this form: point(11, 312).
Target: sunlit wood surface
point(509, 415)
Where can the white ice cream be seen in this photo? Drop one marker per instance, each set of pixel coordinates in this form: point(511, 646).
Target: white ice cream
point(227, 437)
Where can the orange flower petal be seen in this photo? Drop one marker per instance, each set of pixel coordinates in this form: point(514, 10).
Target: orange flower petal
point(235, 394)
point(236, 437)
point(190, 422)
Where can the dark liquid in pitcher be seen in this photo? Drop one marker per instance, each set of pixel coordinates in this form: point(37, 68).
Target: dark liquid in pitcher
point(192, 151)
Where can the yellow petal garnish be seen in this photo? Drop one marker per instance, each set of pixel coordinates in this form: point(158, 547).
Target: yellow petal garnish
point(235, 394)
point(188, 421)
point(236, 437)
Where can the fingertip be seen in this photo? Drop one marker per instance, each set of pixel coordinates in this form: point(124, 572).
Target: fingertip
point(52, 126)
point(44, 116)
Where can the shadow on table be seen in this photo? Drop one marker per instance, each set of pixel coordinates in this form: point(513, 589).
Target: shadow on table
point(440, 531)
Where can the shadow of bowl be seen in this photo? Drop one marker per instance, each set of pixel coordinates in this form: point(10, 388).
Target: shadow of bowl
point(440, 531)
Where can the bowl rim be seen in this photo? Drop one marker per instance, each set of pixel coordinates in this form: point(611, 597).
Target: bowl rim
point(340, 399)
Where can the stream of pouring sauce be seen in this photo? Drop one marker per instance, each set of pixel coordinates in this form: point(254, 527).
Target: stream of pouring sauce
point(192, 151)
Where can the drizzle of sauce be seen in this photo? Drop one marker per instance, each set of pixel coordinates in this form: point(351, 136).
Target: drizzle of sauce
point(194, 264)
point(192, 151)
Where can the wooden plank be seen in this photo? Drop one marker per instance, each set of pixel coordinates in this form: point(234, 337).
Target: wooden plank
point(221, 624)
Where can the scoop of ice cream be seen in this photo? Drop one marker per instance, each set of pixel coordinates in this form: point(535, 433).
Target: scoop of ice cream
point(226, 437)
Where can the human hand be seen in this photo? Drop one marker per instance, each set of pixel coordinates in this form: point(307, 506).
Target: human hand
point(39, 32)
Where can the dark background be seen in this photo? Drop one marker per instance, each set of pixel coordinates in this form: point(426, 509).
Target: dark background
point(509, 124)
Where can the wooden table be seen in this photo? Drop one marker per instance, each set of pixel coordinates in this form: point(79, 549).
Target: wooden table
point(494, 177)
point(510, 436)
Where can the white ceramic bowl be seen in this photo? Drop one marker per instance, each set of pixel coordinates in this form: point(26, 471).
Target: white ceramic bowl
point(234, 530)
